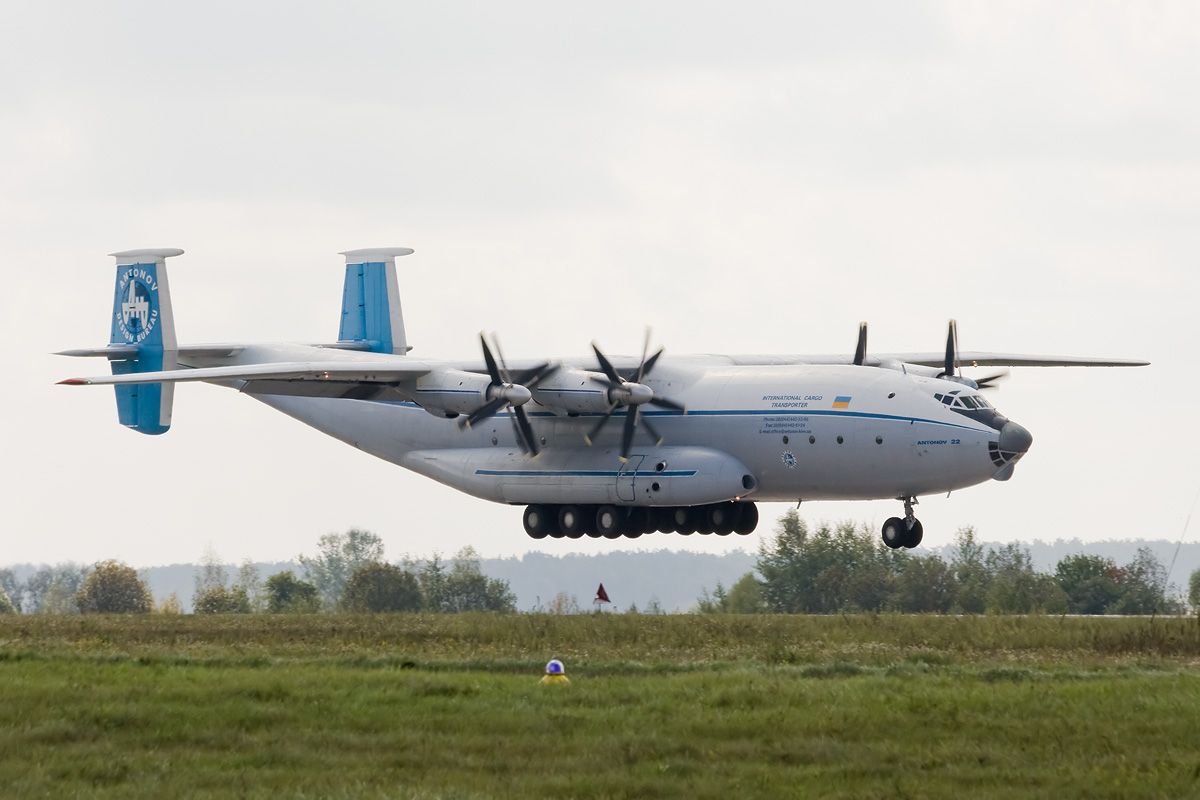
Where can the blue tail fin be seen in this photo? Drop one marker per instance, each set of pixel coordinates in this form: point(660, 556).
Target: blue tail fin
point(142, 318)
point(371, 313)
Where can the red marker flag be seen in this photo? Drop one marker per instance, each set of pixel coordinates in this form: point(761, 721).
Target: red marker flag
point(601, 595)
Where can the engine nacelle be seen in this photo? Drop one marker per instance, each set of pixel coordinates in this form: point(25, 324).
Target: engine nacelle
point(573, 391)
point(449, 392)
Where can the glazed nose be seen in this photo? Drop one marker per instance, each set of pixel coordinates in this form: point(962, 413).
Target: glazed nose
point(1015, 438)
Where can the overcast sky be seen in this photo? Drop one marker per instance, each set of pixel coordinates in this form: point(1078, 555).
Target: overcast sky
point(744, 177)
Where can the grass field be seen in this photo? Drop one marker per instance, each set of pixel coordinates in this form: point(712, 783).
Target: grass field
point(680, 706)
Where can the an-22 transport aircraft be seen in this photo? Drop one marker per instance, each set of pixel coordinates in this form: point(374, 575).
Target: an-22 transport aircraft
point(616, 447)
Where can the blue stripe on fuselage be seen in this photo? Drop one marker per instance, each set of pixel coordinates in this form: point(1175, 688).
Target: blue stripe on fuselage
point(587, 473)
point(733, 412)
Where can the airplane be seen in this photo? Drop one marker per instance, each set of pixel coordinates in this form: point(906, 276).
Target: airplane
point(624, 446)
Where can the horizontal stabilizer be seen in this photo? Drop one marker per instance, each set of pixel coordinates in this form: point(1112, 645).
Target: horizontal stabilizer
point(343, 371)
point(120, 352)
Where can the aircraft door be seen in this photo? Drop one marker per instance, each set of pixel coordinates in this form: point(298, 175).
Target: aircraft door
point(627, 478)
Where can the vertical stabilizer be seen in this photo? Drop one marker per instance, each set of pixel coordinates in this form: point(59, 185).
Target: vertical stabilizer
point(142, 318)
point(371, 313)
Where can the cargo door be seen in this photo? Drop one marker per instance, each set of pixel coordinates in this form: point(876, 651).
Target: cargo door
point(627, 478)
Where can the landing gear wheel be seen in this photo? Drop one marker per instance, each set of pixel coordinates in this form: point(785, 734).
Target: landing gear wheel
point(664, 520)
point(698, 519)
point(914, 535)
point(683, 521)
point(894, 532)
point(539, 521)
point(748, 520)
point(639, 521)
point(721, 518)
point(572, 521)
point(610, 522)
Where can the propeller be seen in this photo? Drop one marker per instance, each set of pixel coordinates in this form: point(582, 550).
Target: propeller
point(631, 395)
point(860, 352)
point(950, 368)
point(953, 366)
point(990, 381)
point(513, 391)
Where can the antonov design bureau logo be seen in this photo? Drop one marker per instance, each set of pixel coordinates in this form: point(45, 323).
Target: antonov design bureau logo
point(138, 313)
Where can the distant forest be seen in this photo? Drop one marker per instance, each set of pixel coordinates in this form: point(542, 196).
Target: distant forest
point(649, 581)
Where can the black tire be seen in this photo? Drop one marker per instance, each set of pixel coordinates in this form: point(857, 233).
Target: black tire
point(721, 518)
point(639, 521)
point(748, 520)
point(610, 521)
point(894, 532)
point(915, 534)
point(698, 519)
point(572, 521)
point(664, 520)
point(539, 521)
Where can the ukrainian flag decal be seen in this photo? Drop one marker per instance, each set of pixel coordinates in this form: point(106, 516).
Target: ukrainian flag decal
point(841, 401)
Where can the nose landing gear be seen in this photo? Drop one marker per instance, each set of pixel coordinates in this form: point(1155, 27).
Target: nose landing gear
point(906, 532)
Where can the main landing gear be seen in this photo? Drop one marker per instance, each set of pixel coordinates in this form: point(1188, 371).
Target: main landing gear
point(906, 532)
point(613, 522)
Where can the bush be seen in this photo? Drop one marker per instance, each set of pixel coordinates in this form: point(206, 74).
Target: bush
point(113, 588)
point(170, 605)
point(288, 595)
point(1091, 583)
point(381, 587)
point(6, 605)
point(464, 587)
point(220, 600)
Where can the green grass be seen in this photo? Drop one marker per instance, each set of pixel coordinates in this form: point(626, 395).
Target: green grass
point(422, 706)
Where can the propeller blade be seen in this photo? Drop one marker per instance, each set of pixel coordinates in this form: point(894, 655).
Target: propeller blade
point(663, 402)
point(650, 429)
point(653, 360)
point(860, 351)
point(591, 435)
point(493, 370)
point(503, 364)
point(530, 444)
point(530, 378)
point(631, 421)
point(645, 349)
point(485, 411)
point(951, 349)
point(990, 381)
point(606, 366)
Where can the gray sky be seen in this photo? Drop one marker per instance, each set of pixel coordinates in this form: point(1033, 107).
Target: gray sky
point(744, 177)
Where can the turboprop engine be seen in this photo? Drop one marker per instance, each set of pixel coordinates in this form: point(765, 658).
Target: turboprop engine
point(450, 392)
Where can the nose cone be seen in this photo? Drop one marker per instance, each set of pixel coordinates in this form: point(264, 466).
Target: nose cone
point(1015, 438)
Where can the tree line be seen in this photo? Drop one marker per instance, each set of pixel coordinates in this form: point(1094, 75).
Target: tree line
point(347, 573)
point(845, 567)
point(799, 569)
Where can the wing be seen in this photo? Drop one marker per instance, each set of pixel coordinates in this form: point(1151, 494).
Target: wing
point(965, 358)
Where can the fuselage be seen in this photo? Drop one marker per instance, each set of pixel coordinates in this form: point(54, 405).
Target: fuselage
point(800, 432)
